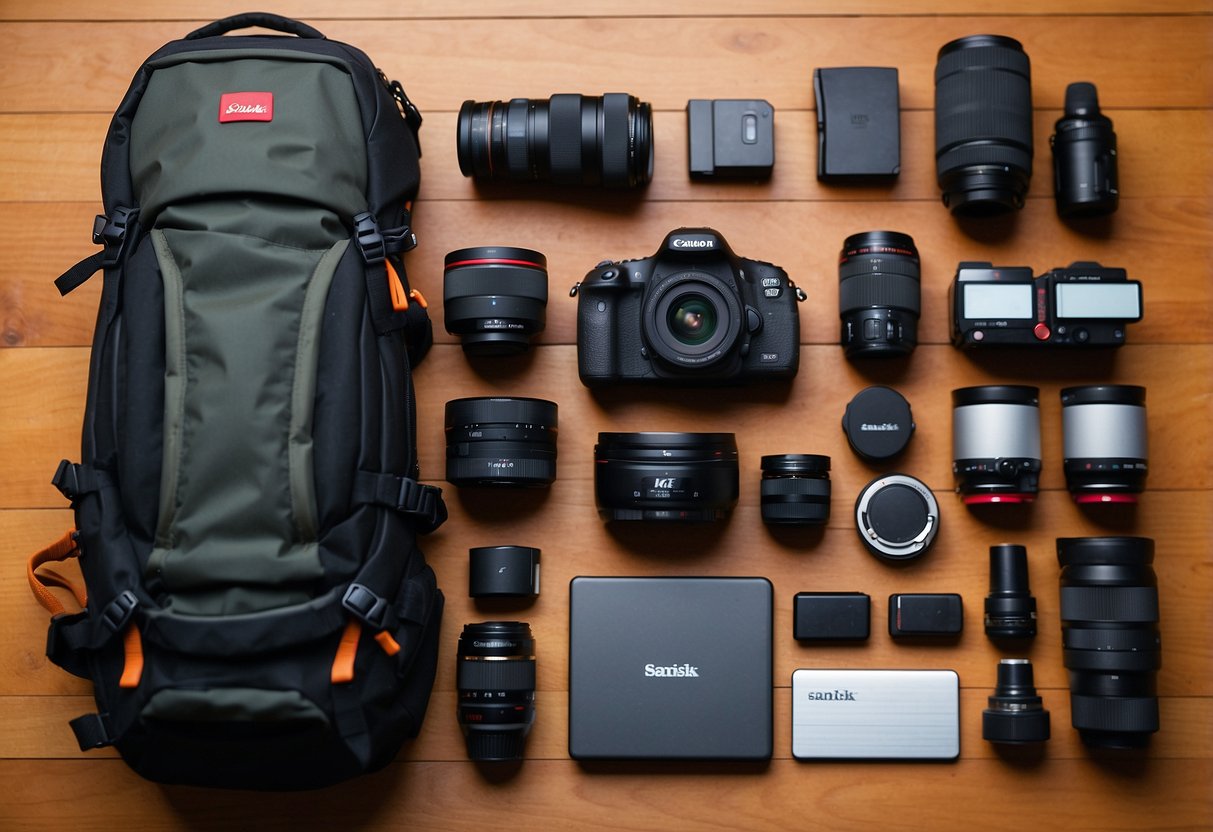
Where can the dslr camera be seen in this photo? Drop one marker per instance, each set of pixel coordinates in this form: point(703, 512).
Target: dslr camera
point(1083, 305)
point(693, 313)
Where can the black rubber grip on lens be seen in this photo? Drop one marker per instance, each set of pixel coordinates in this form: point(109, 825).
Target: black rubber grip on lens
point(516, 156)
point(879, 290)
point(496, 280)
point(1109, 603)
point(564, 139)
point(1099, 713)
point(996, 74)
point(498, 675)
point(1112, 661)
point(1090, 638)
point(814, 489)
point(615, 140)
point(481, 469)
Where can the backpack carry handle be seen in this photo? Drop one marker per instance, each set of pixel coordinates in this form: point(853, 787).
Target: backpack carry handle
point(266, 20)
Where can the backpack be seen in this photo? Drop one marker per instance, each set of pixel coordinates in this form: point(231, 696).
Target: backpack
point(247, 501)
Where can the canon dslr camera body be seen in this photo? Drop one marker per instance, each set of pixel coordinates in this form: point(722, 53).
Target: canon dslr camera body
point(693, 313)
point(1083, 305)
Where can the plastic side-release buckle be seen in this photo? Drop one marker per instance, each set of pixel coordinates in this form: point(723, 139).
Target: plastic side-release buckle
point(119, 611)
point(73, 479)
point(370, 240)
point(421, 501)
point(111, 232)
point(366, 606)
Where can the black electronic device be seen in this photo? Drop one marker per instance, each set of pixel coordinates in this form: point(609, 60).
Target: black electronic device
point(1082, 305)
point(670, 668)
point(730, 138)
point(693, 313)
point(878, 423)
point(503, 572)
point(858, 123)
point(831, 616)
point(925, 614)
point(1085, 179)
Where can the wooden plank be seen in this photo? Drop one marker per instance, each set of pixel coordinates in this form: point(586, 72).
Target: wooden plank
point(321, 10)
point(56, 158)
point(1166, 243)
point(35, 727)
point(1091, 795)
point(665, 60)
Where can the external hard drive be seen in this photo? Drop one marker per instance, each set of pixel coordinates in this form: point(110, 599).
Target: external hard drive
point(875, 715)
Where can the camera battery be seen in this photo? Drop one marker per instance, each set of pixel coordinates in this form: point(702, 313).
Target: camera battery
point(831, 616)
point(858, 123)
point(730, 138)
point(925, 614)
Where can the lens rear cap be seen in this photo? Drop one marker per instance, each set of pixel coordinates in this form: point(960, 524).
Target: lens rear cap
point(878, 423)
point(897, 517)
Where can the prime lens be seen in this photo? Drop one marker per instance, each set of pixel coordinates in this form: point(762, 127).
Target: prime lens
point(495, 298)
point(692, 321)
point(500, 441)
point(690, 477)
point(879, 294)
point(795, 489)
point(983, 124)
point(1104, 442)
point(1010, 607)
point(996, 443)
point(1085, 179)
point(495, 676)
point(568, 140)
point(1109, 632)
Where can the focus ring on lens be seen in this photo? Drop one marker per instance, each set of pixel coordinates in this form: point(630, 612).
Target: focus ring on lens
point(1091, 638)
point(481, 411)
point(1112, 661)
point(615, 140)
point(496, 675)
point(1109, 603)
point(796, 487)
point(564, 142)
point(484, 468)
point(1096, 713)
point(877, 290)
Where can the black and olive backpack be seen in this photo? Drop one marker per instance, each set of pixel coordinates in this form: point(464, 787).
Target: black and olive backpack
point(258, 614)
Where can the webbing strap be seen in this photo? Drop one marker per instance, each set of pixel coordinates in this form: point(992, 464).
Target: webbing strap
point(64, 548)
point(132, 648)
point(347, 650)
point(405, 495)
point(78, 275)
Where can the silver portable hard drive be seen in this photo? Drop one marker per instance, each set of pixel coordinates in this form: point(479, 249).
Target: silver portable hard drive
point(875, 715)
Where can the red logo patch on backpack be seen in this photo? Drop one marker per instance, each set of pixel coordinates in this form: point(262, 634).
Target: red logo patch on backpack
point(246, 106)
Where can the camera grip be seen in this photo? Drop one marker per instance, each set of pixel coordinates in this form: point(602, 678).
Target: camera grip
point(596, 333)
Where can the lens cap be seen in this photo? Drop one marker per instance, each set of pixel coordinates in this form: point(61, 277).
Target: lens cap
point(897, 517)
point(878, 423)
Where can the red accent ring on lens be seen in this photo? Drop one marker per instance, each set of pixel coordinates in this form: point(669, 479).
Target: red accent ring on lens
point(1096, 499)
point(986, 499)
point(493, 262)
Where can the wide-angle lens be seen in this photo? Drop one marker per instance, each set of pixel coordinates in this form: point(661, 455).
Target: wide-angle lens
point(500, 441)
point(495, 298)
point(665, 476)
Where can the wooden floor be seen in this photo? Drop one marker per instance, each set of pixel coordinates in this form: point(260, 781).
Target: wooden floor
point(66, 65)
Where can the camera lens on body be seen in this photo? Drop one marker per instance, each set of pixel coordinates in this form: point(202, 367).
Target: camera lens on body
point(500, 441)
point(1110, 640)
point(692, 320)
point(495, 298)
point(690, 477)
point(983, 124)
point(495, 677)
point(795, 489)
point(996, 443)
point(879, 294)
point(568, 139)
point(1104, 442)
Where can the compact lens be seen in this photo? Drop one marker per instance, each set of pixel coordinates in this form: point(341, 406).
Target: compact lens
point(996, 443)
point(1010, 607)
point(495, 298)
point(1104, 442)
point(495, 676)
point(879, 294)
point(500, 441)
point(983, 124)
point(665, 476)
point(1110, 641)
point(897, 517)
point(1016, 715)
point(1085, 179)
point(567, 139)
point(795, 489)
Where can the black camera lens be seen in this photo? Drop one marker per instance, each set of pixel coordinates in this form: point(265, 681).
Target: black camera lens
point(568, 139)
point(996, 443)
point(983, 124)
point(1085, 179)
point(1110, 641)
point(500, 441)
point(1010, 607)
point(879, 294)
point(1104, 442)
point(691, 321)
point(665, 476)
point(1016, 715)
point(897, 517)
point(495, 677)
point(795, 489)
point(495, 298)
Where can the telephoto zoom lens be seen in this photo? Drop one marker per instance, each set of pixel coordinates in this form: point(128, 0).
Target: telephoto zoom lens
point(1104, 442)
point(500, 441)
point(690, 477)
point(1109, 637)
point(983, 124)
point(567, 140)
point(795, 489)
point(996, 443)
point(495, 677)
point(879, 294)
point(495, 298)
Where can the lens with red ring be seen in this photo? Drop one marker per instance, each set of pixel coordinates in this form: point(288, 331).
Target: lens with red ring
point(495, 298)
point(996, 443)
point(1104, 442)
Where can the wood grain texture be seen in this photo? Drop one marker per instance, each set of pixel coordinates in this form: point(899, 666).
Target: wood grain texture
point(1150, 59)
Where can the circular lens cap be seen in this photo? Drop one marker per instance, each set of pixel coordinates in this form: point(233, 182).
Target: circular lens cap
point(897, 517)
point(878, 423)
